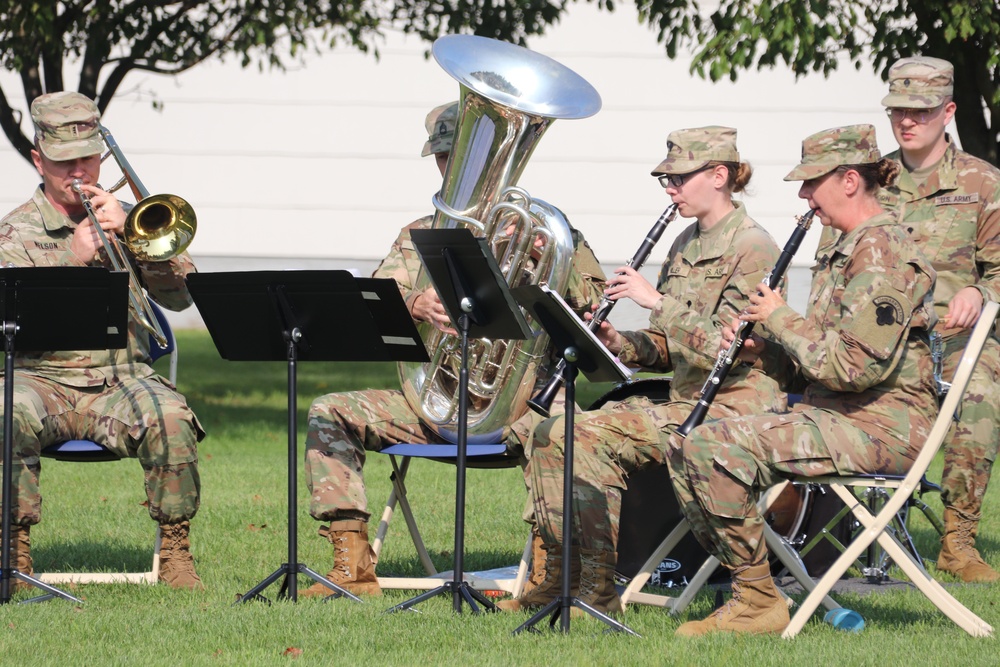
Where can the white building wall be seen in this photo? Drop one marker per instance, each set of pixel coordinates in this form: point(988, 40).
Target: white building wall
point(320, 166)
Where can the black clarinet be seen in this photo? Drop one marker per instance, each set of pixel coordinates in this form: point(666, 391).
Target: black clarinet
point(542, 401)
point(727, 358)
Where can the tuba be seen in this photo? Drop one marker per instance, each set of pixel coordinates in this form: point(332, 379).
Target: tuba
point(508, 97)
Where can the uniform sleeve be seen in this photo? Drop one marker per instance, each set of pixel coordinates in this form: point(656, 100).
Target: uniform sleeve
point(697, 337)
point(988, 242)
point(778, 365)
point(165, 281)
point(646, 349)
point(876, 313)
point(587, 280)
point(403, 265)
point(12, 252)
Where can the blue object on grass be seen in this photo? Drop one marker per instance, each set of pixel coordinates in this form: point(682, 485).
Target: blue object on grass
point(845, 619)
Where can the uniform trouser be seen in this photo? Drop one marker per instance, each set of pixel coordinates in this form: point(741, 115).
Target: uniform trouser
point(970, 448)
point(344, 426)
point(141, 418)
point(608, 445)
point(725, 463)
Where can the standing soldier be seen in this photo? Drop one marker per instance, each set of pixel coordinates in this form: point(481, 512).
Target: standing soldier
point(949, 203)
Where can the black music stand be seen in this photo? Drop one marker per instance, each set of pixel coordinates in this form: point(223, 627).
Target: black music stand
point(582, 351)
point(51, 309)
point(303, 316)
point(475, 294)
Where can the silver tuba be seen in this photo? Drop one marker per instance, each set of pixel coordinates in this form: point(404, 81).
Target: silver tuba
point(507, 99)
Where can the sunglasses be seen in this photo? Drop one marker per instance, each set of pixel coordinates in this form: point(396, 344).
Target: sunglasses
point(678, 180)
point(921, 116)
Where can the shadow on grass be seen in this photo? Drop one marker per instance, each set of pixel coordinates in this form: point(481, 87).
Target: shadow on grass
point(224, 393)
point(235, 390)
point(92, 556)
point(250, 423)
point(473, 561)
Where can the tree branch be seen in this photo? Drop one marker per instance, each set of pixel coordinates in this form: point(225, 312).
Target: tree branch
point(10, 121)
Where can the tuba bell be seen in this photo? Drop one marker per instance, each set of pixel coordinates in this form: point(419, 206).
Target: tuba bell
point(508, 96)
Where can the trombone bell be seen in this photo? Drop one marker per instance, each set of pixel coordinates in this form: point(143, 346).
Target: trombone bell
point(159, 228)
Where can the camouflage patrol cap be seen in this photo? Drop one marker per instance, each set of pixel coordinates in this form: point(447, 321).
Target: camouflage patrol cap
point(825, 151)
point(919, 83)
point(691, 149)
point(440, 124)
point(66, 125)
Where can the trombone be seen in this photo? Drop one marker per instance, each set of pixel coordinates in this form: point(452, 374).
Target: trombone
point(158, 228)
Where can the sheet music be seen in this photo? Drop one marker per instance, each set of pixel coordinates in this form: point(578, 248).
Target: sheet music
point(580, 327)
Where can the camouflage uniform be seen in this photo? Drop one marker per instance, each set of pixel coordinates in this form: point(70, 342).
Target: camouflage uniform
point(861, 353)
point(112, 397)
point(705, 282)
point(952, 212)
point(343, 426)
point(954, 217)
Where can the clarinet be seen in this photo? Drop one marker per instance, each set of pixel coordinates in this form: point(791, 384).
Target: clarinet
point(727, 358)
point(542, 401)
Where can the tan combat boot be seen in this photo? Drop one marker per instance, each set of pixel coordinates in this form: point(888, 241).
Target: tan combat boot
point(353, 560)
point(550, 588)
point(176, 561)
point(537, 574)
point(958, 551)
point(597, 582)
point(20, 555)
point(756, 606)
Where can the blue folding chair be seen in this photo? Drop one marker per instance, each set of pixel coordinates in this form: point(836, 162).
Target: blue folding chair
point(87, 451)
point(481, 452)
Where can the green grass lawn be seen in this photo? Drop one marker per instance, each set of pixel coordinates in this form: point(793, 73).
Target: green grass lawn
point(94, 519)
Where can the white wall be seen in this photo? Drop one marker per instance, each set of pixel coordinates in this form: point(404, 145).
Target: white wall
point(320, 166)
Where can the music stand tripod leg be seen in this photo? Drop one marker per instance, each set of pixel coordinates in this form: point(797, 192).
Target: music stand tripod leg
point(459, 589)
point(291, 569)
point(50, 592)
point(559, 608)
point(7, 572)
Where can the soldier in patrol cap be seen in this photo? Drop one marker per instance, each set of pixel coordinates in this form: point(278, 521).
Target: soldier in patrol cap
point(703, 284)
point(949, 203)
point(343, 426)
point(860, 356)
point(112, 397)
point(440, 125)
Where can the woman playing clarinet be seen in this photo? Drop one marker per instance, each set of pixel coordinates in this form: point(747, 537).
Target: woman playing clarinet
point(704, 283)
point(860, 356)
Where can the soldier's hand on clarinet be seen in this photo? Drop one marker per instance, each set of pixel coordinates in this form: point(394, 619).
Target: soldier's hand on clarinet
point(627, 283)
point(606, 333)
point(752, 348)
point(762, 304)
